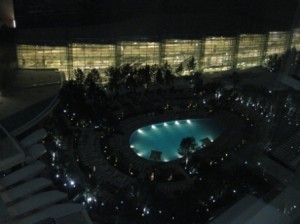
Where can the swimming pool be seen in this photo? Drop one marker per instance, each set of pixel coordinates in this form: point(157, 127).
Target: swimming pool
point(160, 142)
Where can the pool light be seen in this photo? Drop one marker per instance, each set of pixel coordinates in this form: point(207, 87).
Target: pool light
point(153, 127)
point(188, 121)
point(176, 122)
point(165, 124)
point(140, 131)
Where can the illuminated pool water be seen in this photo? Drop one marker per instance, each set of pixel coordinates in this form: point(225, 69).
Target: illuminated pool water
point(164, 138)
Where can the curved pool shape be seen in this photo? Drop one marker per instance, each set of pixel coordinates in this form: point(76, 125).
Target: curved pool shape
point(164, 138)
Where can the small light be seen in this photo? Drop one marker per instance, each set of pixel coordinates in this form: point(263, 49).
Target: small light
point(176, 122)
point(188, 121)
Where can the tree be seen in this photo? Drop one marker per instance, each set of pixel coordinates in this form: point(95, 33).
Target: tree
point(126, 70)
point(79, 76)
point(93, 76)
point(191, 65)
point(145, 74)
point(131, 83)
point(274, 63)
point(115, 78)
point(187, 145)
point(169, 77)
point(179, 69)
point(159, 77)
point(235, 78)
point(198, 82)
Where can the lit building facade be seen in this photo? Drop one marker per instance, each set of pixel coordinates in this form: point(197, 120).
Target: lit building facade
point(211, 54)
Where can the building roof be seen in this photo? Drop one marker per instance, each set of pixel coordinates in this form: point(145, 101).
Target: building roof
point(61, 214)
point(10, 152)
point(25, 189)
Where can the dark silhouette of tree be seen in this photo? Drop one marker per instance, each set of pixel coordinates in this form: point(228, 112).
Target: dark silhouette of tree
point(131, 83)
point(187, 145)
point(159, 77)
point(274, 63)
point(235, 79)
point(198, 82)
point(93, 76)
point(179, 69)
point(191, 64)
point(153, 71)
point(126, 70)
point(79, 76)
point(115, 78)
point(169, 77)
point(145, 75)
point(166, 66)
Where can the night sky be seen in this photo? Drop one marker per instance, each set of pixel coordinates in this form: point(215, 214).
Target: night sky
point(170, 16)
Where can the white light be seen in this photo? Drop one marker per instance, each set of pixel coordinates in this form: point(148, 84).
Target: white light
point(188, 121)
point(140, 154)
point(176, 122)
point(140, 131)
point(57, 175)
point(14, 23)
point(72, 182)
point(89, 199)
point(132, 146)
point(153, 126)
point(165, 124)
point(234, 191)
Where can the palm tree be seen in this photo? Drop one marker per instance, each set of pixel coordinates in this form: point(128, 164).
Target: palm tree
point(191, 64)
point(115, 78)
point(179, 69)
point(79, 76)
